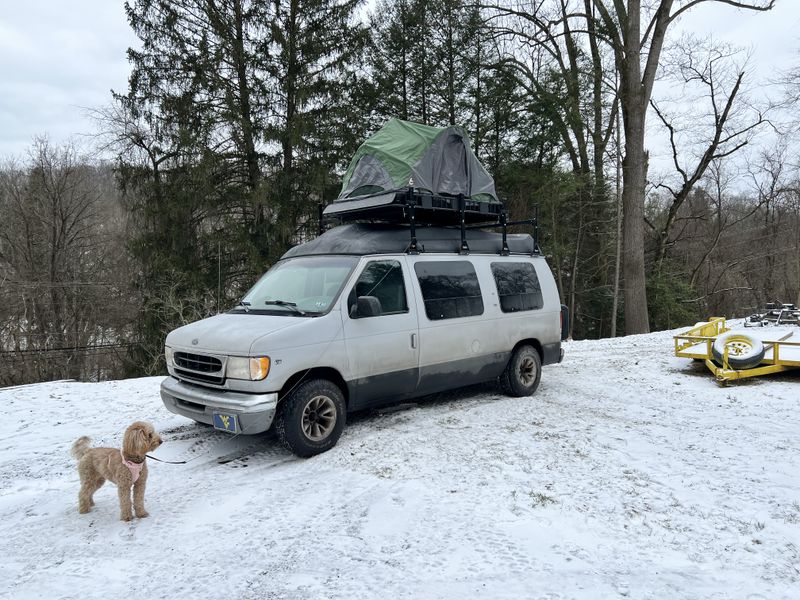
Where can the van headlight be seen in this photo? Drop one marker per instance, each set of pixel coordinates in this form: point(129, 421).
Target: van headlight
point(250, 369)
point(169, 355)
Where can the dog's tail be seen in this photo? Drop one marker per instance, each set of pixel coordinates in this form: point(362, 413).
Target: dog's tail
point(80, 447)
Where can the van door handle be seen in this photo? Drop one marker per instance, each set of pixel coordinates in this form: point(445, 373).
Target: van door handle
point(413, 340)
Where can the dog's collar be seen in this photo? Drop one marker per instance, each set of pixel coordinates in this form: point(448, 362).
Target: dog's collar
point(134, 467)
point(135, 460)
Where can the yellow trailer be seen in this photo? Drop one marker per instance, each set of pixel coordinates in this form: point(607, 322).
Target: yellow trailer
point(752, 353)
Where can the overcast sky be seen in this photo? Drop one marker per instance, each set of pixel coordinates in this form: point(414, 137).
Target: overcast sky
point(60, 57)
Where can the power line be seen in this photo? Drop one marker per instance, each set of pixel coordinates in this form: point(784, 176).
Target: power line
point(65, 283)
point(69, 349)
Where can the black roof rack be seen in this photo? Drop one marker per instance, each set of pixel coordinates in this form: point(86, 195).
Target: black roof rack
point(362, 239)
point(417, 208)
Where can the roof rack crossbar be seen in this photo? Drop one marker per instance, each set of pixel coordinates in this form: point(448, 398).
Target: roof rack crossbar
point(504, 223)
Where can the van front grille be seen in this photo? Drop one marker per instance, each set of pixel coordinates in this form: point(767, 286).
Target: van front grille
point(215, 379)
point(199, 367)
point(198, 362)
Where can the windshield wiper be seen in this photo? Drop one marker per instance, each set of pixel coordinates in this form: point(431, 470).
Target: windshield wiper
point(244, 304)
point(291, 305)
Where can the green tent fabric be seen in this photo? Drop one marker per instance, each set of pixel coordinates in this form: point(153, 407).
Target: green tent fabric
point(403, 154)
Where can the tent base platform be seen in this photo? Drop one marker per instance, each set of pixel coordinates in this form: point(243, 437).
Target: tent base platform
point(428, 209)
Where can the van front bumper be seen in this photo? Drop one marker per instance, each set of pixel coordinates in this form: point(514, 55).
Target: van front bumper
point(255, 412)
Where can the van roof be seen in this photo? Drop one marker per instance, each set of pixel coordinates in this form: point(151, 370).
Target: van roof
point(382, 238)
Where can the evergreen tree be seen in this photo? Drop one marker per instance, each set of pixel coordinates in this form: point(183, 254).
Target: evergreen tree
point(228, 135)
point(421, 60)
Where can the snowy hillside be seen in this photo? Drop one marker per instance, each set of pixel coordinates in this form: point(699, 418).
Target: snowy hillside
point(629, 474)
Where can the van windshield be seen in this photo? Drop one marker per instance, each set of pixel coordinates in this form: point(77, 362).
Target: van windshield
point(303, 286)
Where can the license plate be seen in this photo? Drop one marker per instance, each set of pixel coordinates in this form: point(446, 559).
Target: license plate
point(223, 422)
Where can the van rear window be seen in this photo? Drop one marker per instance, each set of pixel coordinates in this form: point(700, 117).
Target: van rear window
point(450, 289)
point(517, 286)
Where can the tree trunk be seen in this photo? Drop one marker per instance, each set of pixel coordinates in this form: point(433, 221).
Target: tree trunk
point(634, 174)
point(290, 88)
point(243, 85)
point(404, 68)
point(478, 101)
point(451, 68)
point(634, 95)
point(618, 239)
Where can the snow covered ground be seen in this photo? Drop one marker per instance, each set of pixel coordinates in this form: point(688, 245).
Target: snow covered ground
point(629, 474)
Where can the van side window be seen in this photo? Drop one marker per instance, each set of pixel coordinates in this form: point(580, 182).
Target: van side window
point(383, 279)
point(450, 289)
point(517, 286)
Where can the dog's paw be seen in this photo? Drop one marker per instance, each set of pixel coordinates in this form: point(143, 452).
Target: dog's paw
point(142, 514)
point(124, 517)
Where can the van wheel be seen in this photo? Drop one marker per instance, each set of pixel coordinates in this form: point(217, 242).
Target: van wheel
point(311, 418)
point(523, 372)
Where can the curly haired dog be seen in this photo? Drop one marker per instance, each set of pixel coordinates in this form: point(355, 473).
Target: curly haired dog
point(126, 468)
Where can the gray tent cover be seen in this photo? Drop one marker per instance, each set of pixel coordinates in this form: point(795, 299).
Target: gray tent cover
point(403, 154)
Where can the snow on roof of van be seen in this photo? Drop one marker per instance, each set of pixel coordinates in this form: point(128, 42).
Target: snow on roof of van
point(379, 238)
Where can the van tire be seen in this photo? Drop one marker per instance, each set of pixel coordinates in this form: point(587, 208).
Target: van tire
point(523, 372)
point(311, 417)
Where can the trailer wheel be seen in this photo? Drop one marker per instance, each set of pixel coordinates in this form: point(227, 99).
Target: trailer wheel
point(744, 351)
point(523, 372)
point(311, 418)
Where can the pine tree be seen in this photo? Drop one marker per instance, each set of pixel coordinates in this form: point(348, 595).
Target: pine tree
point(228, 136)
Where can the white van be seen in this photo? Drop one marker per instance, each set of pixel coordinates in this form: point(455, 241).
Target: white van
point(359, 317)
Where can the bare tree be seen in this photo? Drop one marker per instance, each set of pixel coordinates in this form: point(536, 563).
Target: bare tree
point(706, 75)
point(739, 247)
point(64, 287)
point(564, 68)
point(637, 38)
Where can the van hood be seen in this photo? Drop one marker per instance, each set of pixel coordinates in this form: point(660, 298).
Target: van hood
point(232, 333)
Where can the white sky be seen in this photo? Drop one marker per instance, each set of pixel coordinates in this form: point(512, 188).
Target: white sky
point(773, 35)
point(57, 59)
point(60, 58)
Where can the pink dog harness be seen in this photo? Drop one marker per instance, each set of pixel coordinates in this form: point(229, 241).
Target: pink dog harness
point(134, 468)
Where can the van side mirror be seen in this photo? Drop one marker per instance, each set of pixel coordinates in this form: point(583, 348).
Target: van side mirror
point(366, 306)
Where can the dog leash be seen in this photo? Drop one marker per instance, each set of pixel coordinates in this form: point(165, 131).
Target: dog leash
point(169, 462)
point(184, 462)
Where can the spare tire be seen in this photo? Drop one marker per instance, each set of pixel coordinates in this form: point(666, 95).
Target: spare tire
point(744, 351)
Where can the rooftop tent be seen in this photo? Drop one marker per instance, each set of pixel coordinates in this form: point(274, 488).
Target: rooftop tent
point(436, 164)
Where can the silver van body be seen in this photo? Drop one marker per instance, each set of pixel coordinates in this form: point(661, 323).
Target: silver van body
point(376, 349)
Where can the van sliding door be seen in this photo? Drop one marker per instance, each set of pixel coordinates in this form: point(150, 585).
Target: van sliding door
point(458, 344)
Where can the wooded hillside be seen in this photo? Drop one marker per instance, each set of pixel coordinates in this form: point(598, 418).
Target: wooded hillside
point(241, 115)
